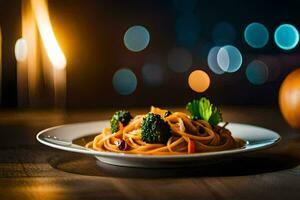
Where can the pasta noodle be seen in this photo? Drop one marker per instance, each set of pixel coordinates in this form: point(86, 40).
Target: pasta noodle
point(187, 136)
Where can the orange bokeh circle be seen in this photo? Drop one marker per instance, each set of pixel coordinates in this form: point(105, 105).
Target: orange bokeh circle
point(199, 81)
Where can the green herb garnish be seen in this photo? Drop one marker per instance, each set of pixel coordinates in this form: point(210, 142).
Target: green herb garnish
point(203, 109)
point(216, 116)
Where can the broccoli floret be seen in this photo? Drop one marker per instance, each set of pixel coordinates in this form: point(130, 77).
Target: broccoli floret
point(120, 116)
point(155, 130)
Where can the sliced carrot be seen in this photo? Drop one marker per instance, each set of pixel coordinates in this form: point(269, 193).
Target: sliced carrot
point(191, 146)
point(120, 126)
point(119, 134)
point(158, 111)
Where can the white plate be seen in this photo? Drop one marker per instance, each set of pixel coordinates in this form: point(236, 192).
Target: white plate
point(61, 137)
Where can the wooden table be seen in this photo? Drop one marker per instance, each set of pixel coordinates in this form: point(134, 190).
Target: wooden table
point(29, 170)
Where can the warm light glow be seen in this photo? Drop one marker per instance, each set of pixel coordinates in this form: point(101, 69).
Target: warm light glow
point(28, 72)
point(21, 49)
point(54, 52)
point(199, 81)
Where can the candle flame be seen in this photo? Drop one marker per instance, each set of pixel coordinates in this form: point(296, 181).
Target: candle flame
point(21, 49)
point(54, 52)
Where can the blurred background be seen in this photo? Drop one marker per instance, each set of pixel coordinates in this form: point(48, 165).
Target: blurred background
point(93, 54)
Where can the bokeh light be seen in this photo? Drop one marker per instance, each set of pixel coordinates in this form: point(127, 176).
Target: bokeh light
point(256, 35)
point(229, 58)
point(223, 34)
point(179, 60)
point(124, 81)
point(187, 30)
point(199, 81)
point(21, 49)
point(286, 36)
point(186, 6)
point(212, 60)
point(136, 38)
point(257, 72)
point(152, 74)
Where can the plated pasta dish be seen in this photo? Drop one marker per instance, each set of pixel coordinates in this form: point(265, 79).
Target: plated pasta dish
point(162, 132)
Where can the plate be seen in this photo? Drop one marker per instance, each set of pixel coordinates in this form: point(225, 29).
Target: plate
point(63, 137)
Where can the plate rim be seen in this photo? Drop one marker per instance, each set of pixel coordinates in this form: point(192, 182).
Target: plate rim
point(91, 152)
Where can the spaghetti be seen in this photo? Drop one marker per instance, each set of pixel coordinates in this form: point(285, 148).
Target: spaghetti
point(187, 136)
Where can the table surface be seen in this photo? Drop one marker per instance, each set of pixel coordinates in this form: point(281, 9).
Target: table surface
point(29, 170)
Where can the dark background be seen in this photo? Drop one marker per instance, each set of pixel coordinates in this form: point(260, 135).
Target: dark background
point(91, 35)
